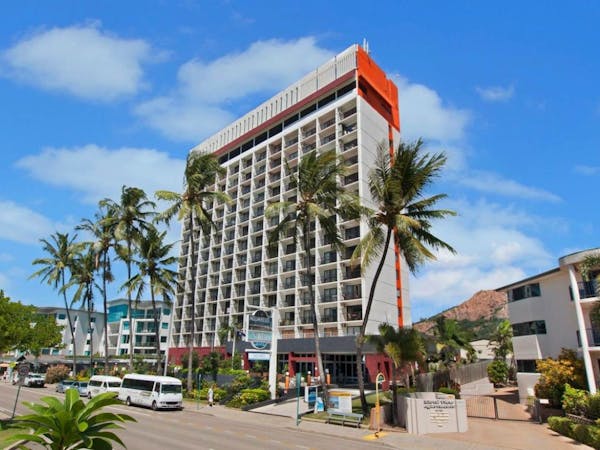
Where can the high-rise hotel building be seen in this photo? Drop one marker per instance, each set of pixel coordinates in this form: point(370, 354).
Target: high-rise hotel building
point(347, 104)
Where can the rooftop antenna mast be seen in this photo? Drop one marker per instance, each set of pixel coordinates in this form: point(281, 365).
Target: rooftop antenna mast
point(365, 45)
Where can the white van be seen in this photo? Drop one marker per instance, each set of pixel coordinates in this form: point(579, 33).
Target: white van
point(151, 390)
point(99, 384)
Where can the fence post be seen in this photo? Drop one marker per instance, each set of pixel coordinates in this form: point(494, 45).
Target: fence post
point(495, 409)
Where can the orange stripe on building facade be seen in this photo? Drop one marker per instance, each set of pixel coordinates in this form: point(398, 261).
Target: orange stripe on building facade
point(382, 94)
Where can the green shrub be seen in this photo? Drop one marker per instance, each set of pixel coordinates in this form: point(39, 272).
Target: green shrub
point(561, 425)
point(446, 390)
point(593, 410)
point(497, 372)
point(58, 373)
point(249, 397)
point(581, 433)
point(575, 401)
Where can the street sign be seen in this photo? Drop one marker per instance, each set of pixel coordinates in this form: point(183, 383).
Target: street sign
point(23, 371)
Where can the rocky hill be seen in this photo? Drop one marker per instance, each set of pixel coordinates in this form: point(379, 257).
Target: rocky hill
point(481, 314)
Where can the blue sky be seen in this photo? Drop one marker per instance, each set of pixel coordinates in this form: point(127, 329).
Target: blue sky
point(96, 95)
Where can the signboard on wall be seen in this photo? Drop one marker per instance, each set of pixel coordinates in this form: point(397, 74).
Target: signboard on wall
point(260, 330)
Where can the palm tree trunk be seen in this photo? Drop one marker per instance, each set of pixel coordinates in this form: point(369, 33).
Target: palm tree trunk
point(105, 317)
point(192, 254)
point(311, 294)
point(89, 311)
point(72, 332)
point(394, 396)
point(156, 331)
point(129, 303)
point(360, 339)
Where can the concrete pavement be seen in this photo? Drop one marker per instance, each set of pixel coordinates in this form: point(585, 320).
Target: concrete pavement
point(482, 433)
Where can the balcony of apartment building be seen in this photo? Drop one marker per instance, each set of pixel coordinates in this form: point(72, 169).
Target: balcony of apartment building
point(588, 290)
point(329, 276)
point(351, 292)
point(328, 295)
point(352, 233)
point(287, 319)
point(353, 313)
point(352, 272)
point(288, 301)
point(329, 315)
point(306, 318)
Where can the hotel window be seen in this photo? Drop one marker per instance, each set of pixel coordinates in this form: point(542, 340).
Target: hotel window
point(526, 291)
point(529, 328)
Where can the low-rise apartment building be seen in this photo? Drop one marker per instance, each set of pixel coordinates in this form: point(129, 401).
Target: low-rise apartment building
point(551, 311)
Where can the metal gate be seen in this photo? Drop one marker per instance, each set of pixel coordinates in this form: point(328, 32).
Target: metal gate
point(496, 407)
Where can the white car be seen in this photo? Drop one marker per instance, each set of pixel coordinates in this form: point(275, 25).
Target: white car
point(34, 380)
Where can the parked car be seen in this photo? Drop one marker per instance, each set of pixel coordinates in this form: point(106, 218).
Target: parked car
point(63, 385)
point(34, 380)
point(81, 386)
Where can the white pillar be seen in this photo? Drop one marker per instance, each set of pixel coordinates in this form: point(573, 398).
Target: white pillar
point(587, 360)
point(273, 359)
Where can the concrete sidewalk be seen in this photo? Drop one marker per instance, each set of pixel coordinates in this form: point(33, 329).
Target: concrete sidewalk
point(482, 433)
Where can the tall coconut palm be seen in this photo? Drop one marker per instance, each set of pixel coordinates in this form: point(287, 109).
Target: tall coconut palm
point(61, 250)
point(201, 171)
point(403, 346)
point(153, 263)
point(397, 184)
point(83, 278)
point(131, 216)
point(320, 200)
point(102, 233)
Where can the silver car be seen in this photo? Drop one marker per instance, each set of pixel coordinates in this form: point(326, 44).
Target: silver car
point(81, 386)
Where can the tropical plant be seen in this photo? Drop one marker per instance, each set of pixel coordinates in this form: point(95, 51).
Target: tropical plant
point(14, 324)
point(555, 373)
point(321, 199)
point(403, 346)
point(83, 271)
point(497, 372)
point(71, 424)
point(502, 340)
point(61, 250)
point(153, 268)
point(575, 401)
point(129, 217)
point(102, 231)
point(44, 333)
point(397, 184)
point(451, 339)
point(201, 171)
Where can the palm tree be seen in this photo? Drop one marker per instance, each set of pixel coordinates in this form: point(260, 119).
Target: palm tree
point(452, 338)
point(403, 346)
point(153, 262)
point(201, 171)
point(83, 273)
point(71, 424)
point(102, 232)
point(61, 251)
point(130, 217)
point(397, 184)
point(320, 200)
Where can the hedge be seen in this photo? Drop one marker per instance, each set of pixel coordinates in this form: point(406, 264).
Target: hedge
point(586, 434)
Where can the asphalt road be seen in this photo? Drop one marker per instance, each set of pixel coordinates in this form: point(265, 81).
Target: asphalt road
point(200, 428)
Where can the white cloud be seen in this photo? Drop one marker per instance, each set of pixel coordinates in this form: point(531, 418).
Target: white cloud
point(493, 249)
point(496, 184)
point(496, 93)
point(82, 60)
point(587, 170)
point(6, 257)
point(423, 114)
point(98, 172)
point(200, 102)
point(21, 224)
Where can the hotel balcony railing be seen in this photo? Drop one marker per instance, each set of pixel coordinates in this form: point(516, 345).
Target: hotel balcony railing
point(593, 337)
point(329, 318)
point(588, 289)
